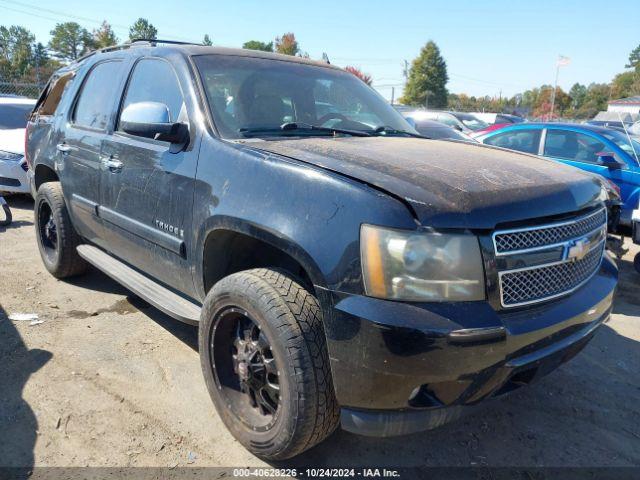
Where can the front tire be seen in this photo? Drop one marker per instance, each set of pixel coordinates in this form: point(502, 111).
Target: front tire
point(265, 362)
point(57, 239)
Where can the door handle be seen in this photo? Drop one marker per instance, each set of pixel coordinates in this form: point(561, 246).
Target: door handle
point(63, 148)
point(112, 164)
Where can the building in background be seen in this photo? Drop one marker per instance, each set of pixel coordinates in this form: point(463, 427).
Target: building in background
point(629, 105)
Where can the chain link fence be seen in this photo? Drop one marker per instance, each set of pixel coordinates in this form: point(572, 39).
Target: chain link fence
point(20, 89)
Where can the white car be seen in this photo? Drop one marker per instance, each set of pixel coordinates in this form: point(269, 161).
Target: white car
point(13, 166)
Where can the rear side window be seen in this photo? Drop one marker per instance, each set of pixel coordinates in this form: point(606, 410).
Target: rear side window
point(572, 146)
point(50, 99)
point(154, 80)
point(95, 104)
point(526, 141)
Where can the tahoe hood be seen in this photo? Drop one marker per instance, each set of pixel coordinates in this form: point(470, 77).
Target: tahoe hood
point(450, 184)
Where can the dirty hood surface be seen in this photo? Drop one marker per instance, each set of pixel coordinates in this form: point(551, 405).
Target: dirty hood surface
point(450, 184)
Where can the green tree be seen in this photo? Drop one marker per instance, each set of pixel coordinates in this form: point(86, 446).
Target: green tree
point(427, 82)
point(207, 40)
point(634, 58)
point(143, 29)
point(287, 44)
point(577, 93)
point(16, 50)
point(69, 41)
point(257, 45)
point(104, 36)
point(625, 85)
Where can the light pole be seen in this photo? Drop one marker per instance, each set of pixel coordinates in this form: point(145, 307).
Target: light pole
point(562, 61)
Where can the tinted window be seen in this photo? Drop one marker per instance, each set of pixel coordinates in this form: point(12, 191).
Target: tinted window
point(93, 108)
point(439, 133)
point(155, 81)
point(254, 97)
point(14, 115)
point(572, 146)
point(520, 140)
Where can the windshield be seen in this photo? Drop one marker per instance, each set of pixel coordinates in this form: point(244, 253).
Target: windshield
point(14, 115)
point(471, 122)
point(622, 141)
point(248, 94)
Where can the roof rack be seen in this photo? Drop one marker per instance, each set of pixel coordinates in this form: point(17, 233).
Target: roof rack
point(131, 43)
point(153, 41)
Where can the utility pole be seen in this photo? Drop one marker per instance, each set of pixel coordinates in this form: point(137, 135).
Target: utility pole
point(393, 94)
point(562, 61)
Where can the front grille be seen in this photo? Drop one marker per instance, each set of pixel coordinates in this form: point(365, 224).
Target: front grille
point(511, 241)
point(543, 283)
point(524, 280)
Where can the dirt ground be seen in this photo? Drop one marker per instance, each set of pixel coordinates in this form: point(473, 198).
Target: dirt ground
point(107, 380)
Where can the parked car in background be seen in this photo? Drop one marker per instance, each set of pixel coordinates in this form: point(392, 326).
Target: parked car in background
point(498, 118)
point(463, 122)
point(486, 130)
point(607, 152)
point(13, 166)
point(434, 130)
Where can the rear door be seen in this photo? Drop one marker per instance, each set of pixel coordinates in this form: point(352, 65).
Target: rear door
point(147, 198)
point(78, 157)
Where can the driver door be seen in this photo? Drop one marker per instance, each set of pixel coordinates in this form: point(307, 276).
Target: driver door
point(147, 185)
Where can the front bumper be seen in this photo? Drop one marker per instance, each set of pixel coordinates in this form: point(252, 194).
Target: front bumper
point(13, 177)
point(397, 367)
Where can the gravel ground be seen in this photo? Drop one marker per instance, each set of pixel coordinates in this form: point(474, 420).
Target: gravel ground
point(107, 380)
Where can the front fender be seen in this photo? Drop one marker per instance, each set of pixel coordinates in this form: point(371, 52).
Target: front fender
point(312, 214)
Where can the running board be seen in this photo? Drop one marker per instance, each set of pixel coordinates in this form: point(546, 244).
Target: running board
point(160, 297)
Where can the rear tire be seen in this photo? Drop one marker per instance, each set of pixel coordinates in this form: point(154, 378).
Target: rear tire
point(265, 362)
point(636, 262)
point(57, 239)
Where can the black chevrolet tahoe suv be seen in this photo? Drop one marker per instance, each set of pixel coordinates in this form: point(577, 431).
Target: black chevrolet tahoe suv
point(341, 269)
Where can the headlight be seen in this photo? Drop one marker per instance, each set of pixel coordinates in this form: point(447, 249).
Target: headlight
point(4, 155)
point(421, 266)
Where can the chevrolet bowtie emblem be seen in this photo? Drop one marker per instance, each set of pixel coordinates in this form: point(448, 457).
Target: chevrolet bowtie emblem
point(577, 249)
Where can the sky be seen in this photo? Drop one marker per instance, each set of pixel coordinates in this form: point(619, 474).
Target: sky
point(492, 47)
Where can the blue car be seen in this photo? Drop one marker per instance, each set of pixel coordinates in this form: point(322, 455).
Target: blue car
point(604, 151)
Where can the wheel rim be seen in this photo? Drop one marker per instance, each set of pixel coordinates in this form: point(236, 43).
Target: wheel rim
point(48, 230)
point(246, 372)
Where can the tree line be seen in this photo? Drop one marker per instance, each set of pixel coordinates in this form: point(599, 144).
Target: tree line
point(427, 86)
point(24, 60)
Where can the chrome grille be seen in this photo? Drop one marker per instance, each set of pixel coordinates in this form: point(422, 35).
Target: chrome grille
point(523, 239)
point(525, 280)
point(543, 283)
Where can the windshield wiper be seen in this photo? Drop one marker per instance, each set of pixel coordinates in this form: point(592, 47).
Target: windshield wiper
point(297, 126)
point(394, 131)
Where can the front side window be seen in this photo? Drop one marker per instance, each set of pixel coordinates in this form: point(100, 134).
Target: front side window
point(572, 146)
point(521, 140)
point(94, 106)
point(154, 80)
point(254, 97)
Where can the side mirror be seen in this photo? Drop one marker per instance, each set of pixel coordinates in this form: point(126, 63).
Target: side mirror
point(608, 159)
point(151, 120)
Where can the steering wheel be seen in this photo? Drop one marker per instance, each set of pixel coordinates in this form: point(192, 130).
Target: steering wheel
point(330, 116)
